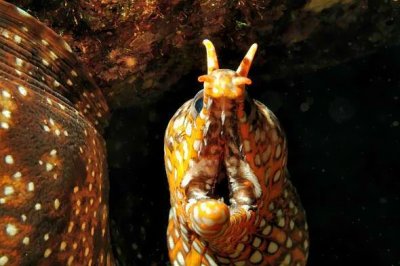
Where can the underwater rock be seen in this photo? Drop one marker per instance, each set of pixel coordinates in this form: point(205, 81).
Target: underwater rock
point(137, 50)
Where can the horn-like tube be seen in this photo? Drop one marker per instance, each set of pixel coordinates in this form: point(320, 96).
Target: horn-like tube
point(212, 60)
point(244, 66)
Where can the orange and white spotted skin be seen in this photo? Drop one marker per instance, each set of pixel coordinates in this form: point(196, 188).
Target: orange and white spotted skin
point(222, 138)
point(53, 172)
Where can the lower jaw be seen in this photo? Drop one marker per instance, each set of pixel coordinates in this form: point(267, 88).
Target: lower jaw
point(213, 219)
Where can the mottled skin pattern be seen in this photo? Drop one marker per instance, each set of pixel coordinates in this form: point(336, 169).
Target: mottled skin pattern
point(222, 138)
point(53, 172)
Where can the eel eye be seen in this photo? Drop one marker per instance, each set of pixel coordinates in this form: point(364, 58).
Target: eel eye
point(198, 102)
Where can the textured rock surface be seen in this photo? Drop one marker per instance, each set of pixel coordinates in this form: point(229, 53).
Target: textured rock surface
point(138, 49)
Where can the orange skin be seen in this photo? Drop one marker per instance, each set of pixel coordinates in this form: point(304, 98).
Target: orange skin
point(223, 138)
point(53, 171)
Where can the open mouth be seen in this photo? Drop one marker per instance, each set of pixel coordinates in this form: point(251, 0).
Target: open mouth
point(221, 189)
point(218, 190)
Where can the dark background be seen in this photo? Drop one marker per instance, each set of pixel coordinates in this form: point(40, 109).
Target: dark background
point(343, 130)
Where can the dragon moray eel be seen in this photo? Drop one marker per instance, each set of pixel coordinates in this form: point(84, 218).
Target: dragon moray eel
point(53, 173)
point(222, 140)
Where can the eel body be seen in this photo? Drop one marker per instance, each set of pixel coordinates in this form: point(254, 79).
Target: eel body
point(232, 202)
point(53, 172)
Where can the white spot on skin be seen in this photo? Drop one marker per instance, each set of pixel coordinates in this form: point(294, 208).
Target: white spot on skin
point(272, 247)
point(18, 62)
point(291, 224)
point(23, 217)
point(9, 159)
point(262, 223)
point(5, 125)
point(281, 221)
point(6, 94)
point(306, 244)
point(257, 135)
point(197, 247)
point(257, 160)
point(267, 230)
point(66, 46)
point(3, 260)
point(256, 257)
point(6, 113)
point(17, 175)
point(56, 204)
point(180, 258)
point(47, 253)
point(49, 167)
point(5, 34)
point(178, 156)
point(211, 260)
point(70, 227)
point(63, 245)
point(45, 62)
point(185, 150)
point(246, 145)
point(38, 206)
point(287, 259)
point(289, 242)
point(266, 154)
point(46, 237)
point(8, 190)
point(17, 38)
point(196, 145)
point(22, 90)
point(169, 164)
point(188, 129)
point(256, 242)
point(56, 83)
point(70, 260)
point(31, 186)
point(171, 243)
point(278, 151)
point(178, 122)
point(11, 229)
point(25, 241)
point(277, 176)
point(53, 55)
